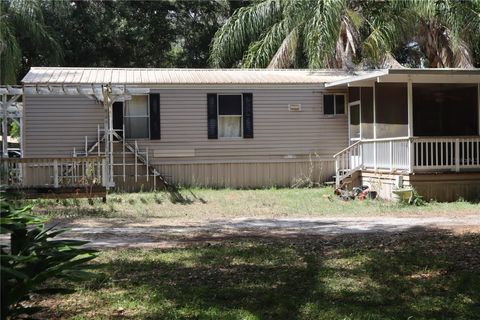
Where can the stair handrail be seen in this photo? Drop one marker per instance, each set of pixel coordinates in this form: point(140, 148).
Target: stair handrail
point(346, 149)
point(341, 173)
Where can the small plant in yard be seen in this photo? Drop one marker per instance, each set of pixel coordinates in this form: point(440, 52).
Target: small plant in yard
point(33, 258)
point(417, 199)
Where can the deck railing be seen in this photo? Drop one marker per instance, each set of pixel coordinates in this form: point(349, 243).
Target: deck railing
point(446, 153)
point(404, 154)
point(53, 172)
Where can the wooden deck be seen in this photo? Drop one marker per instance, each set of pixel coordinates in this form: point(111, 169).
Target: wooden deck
point(54, 178)
point(56, 193)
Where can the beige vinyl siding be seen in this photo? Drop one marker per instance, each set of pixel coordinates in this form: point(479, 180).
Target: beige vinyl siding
point(54, 125)
point(278, 133)
point(287, 146)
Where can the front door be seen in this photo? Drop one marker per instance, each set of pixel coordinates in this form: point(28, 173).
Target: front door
point(354, 129)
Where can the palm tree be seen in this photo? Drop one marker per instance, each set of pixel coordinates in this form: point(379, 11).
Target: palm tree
point(336, 33)
point(446, 31)
point(284, 33)
point(25, 18)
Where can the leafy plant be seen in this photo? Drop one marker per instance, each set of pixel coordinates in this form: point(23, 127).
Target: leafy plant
point(33, 258)
point(417, 199)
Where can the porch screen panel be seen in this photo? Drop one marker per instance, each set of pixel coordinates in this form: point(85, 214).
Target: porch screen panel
point(354, 122)
point(445, 109)
point(367, 112)
point(391, 110)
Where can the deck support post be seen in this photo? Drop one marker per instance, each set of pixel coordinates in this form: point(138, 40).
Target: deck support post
point(104, 172)
point(107, 103)
point(410, 125)
point(55, 173)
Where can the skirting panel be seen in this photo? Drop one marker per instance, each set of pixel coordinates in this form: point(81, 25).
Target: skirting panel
point(237, 175)
point(435, 186)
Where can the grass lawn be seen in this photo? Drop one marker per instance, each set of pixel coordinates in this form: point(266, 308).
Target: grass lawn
point(415, 275)
point(203, 204)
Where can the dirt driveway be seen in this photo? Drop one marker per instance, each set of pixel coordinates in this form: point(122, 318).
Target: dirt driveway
point(112, 233)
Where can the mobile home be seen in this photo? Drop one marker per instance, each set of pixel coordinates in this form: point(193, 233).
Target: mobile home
point(256, 128)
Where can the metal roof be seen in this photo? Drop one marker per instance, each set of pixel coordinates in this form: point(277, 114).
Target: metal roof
point(141, 76)
point(434, 75)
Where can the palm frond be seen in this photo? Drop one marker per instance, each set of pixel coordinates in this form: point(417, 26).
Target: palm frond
point(10, 55)
point(285, 55)
point(244, 26)
point(260, 52)
point(322, 32)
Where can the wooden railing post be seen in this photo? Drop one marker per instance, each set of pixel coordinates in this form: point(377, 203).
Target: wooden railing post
point(55, 173)
point(457, 155)
point(104, 172)
point(411, 155)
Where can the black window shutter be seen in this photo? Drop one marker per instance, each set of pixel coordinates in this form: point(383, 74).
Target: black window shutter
point(248, 116)
point(212, 118)
point(154, 116)
point(117, 110)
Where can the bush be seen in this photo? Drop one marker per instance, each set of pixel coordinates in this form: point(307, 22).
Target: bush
point(33, 258)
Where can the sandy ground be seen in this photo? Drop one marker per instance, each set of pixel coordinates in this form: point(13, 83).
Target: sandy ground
point(112, 233)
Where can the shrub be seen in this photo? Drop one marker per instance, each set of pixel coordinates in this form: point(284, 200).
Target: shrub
point(33, 258)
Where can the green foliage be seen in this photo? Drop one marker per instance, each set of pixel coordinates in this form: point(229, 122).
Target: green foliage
point(34, 257)
point(341, 33)
point(23, 22)
point(417, 199)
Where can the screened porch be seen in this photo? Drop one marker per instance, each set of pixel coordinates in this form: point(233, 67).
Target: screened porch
point(409, 127)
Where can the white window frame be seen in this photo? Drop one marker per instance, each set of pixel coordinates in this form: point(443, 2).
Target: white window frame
point(219, 116)
point(125, 105)
point(335, 114)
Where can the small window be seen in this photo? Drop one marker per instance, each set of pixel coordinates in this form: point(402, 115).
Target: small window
point(229, 116)
point(136, 118)
point(333, 104)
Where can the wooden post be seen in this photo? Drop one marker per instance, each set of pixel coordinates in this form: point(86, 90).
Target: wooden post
point(411, 155)
point(410, 107)
point(104, 172)
point(55, 173)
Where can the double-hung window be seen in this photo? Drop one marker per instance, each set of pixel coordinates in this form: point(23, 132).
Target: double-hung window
point(333, 104)
point(136, 117)
point(230, 124)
